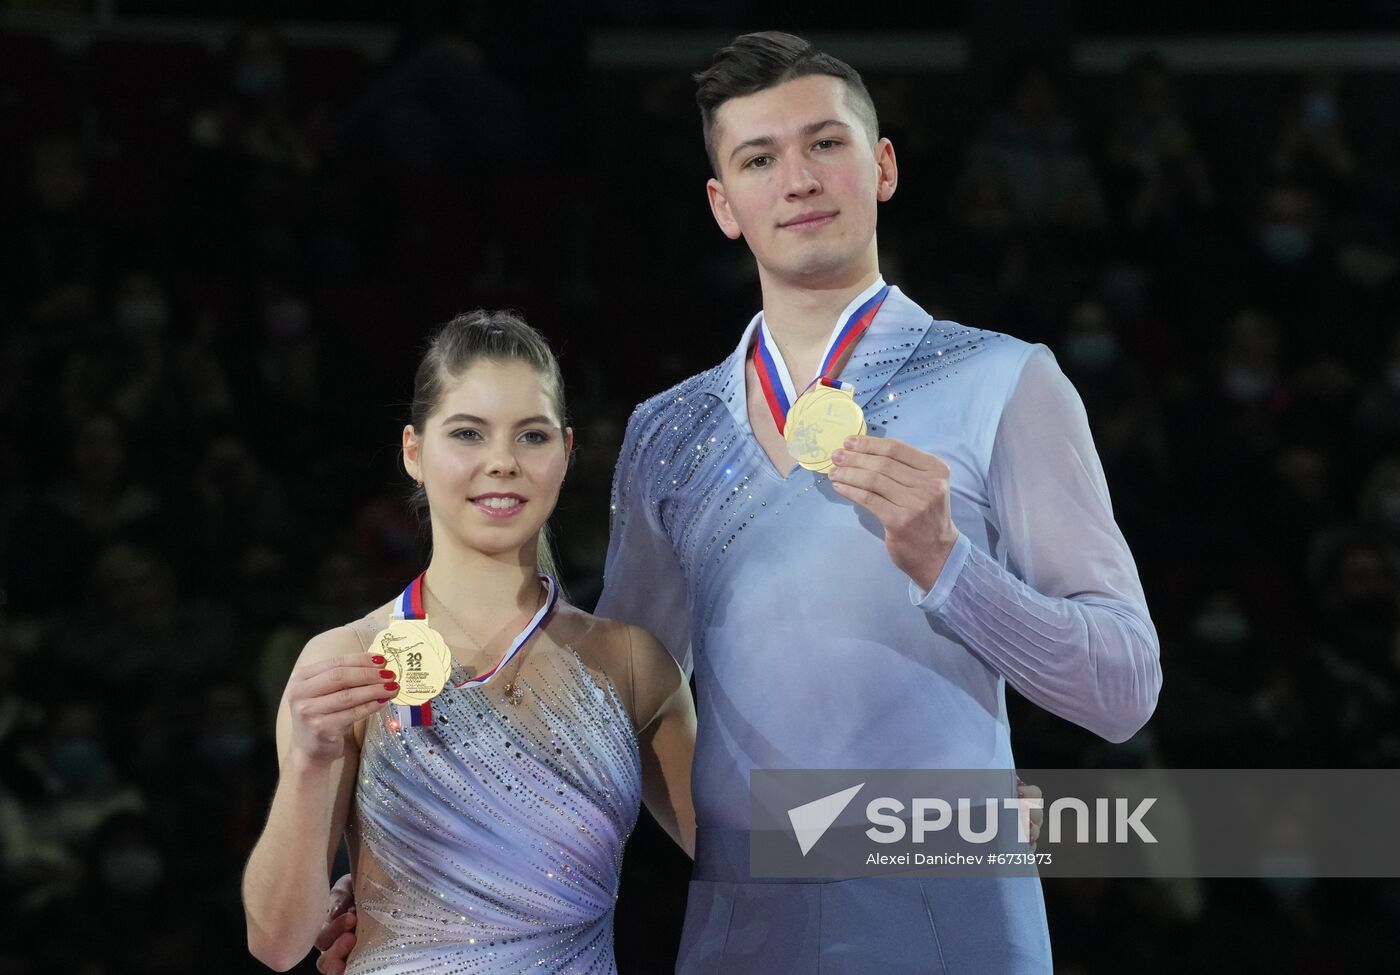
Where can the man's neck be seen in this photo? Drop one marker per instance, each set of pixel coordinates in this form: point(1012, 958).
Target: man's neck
point(802, 315)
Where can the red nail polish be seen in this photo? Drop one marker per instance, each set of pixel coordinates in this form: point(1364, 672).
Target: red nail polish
point(383, 700)
point(387, 674)
point(377, 660)
point(390, 685)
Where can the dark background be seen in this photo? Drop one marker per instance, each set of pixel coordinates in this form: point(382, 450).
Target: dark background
point(225, 239)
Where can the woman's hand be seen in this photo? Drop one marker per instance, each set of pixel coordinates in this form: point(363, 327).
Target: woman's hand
point(327, 697)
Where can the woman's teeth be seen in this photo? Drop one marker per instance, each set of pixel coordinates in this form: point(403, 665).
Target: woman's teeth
point(499, 502)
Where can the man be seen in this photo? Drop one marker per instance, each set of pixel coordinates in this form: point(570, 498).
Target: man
point(869, 617)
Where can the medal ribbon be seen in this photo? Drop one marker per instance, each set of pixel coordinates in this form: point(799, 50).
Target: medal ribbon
point(409, 606)
point(773, 378)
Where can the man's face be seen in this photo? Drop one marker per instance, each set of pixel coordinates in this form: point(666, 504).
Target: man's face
point(800, 181)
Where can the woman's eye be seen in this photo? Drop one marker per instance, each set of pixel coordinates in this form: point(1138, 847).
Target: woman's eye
point(466, 433)
point(535, 437)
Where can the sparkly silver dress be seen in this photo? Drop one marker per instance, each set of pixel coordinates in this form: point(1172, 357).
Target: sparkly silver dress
point(491, 841)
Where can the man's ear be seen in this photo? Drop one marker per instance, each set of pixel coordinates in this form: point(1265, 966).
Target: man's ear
point(888, 177)
point(719, 206)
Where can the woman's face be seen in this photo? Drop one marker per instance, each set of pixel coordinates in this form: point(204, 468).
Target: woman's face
point(491, 458)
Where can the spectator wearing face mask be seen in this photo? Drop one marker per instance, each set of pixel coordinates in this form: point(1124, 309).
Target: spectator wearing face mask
point(55, 248)
point(83, 785)
point(227, 742)
point(137, 915)
point(252, 120)
point(1124, 416)
point(1226, 661)
point(1226, 418)
point(1285, 266)
point(1158, 178)
point(1351, 671)
point(1032, 144)
point(95, 499)
point(1313, 146)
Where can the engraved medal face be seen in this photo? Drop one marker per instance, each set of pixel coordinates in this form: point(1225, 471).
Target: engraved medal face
point(417, 655)
point(819, 423)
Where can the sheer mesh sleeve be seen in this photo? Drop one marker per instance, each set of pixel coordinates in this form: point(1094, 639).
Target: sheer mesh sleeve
point(642, 579)
point(1066, 621)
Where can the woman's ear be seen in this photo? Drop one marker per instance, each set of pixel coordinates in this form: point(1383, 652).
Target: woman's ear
point(411, 460)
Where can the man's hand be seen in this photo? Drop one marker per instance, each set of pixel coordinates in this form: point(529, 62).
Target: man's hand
point(907, 491)
point(337, 937)
point(1036, 813)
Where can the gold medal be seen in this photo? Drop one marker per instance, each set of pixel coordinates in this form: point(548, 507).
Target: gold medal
point(417, 655)
point(819, 423)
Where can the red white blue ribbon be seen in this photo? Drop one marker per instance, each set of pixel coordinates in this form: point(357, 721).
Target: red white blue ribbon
point(773, 378)
point(409, 606)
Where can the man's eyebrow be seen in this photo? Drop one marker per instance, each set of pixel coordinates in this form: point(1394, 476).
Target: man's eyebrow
point(808, 130)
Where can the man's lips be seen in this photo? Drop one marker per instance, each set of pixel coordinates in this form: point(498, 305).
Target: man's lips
point(810, 221)
point(498, 505)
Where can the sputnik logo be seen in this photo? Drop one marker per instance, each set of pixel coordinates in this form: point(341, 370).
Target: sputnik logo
point(811, 820)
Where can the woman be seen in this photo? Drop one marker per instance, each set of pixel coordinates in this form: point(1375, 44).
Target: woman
point(489, 837)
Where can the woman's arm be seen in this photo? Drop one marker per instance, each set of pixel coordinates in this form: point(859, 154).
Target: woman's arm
point(665, 717)
point(334, 685)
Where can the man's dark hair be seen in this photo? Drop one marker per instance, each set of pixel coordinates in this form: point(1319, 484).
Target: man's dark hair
point(766, 59)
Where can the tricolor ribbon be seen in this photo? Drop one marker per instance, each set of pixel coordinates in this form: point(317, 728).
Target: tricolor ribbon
point(773, 379)
point(409, 606)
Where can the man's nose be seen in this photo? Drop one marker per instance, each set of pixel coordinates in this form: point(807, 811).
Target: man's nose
point(802, 180)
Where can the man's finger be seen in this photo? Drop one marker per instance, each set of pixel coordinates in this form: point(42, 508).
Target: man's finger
point(342, 895)
point(1036, 814)
point(875, 482)
point(334, 930)
point(333, 961)
point(891, 467)
point(897, 449)
point(880, 507)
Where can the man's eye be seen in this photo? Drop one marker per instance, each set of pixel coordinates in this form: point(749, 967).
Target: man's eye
point(758, 162)
point(826, 144)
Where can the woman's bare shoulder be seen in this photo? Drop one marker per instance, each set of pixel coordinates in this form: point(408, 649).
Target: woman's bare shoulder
point(628, 646)
point(348, 638)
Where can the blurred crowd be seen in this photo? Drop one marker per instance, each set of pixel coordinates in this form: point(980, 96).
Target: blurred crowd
point(218, 269)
